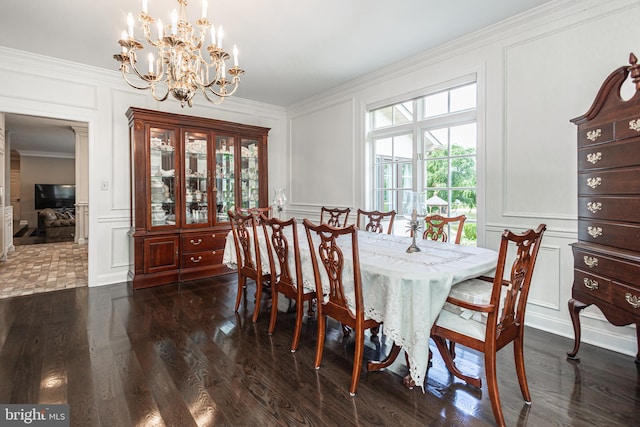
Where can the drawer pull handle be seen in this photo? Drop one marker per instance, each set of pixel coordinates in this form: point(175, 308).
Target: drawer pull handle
point(195, 243)
point(592, 135)
point(594, 182)
point(633, 300)
point(594, 232)
point(635, 125)
point(594, 158)
point(590, 261)
point(196, 260)
point(594, 206)
point(213, 236)
point(213, 252)
point(590, 284)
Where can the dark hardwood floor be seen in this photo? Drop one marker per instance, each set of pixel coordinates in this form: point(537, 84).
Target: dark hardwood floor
point(178, 355)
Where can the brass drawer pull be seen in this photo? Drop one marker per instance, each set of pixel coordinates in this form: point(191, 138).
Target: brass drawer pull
point(594, 232)
point(590, 284)
point(195, 243)
point(594, 158)
point(594, 182)
point(594, 206)
point(592, 135)
point(213, 236)
point(196, 260)
point(633, 300)
point(635, 125)
point(213, 252)
point(590, 261)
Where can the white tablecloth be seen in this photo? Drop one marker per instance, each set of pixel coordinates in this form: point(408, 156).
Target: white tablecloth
point(406, 291)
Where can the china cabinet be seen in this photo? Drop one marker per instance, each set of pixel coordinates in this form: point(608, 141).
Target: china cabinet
point(186, 173)
point(607, 255)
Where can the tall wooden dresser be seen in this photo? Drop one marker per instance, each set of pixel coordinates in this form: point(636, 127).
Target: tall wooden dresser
point(607, 255)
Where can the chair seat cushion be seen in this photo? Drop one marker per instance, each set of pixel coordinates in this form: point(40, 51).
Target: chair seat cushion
point(462, 320)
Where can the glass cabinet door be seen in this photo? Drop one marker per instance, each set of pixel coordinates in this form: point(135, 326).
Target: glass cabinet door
point(225, 177)
point(196, 178)
point(249, 180)
point(162, 180)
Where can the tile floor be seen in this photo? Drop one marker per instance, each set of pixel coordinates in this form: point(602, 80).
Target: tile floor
point(42, 268)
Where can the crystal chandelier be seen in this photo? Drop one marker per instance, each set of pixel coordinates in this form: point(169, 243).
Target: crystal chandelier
point(179, 68)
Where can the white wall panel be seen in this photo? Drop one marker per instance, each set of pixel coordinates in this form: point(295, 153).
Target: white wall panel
point(321, 147)
point(549, 79)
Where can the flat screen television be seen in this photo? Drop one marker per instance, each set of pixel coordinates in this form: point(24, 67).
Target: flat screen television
point(54, 196)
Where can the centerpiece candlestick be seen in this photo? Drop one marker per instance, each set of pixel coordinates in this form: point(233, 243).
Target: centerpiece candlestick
point(415, 203)
point(279, 200)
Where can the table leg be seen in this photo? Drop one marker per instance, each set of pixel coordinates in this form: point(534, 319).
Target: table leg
point(393, 354)
point(638, 341)
point(575, 307)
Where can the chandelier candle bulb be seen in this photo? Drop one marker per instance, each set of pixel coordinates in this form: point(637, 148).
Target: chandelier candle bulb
point(160, 29)
point(204, 8)
point(213, 35)
point(235, 55)
point(220, 34)
point(145, 6)
point(150, 58)
point(130, 24)
point(174, 22)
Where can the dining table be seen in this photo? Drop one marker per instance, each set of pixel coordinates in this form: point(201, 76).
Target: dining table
point(405, 291)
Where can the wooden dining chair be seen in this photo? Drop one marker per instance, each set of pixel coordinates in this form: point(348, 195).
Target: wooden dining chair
point(373, 220)
point(286, 276)
point(338, 293)
point(437, 227)
point(267, 212)
point(245, 229)
point(334, 216)
point(487, 313)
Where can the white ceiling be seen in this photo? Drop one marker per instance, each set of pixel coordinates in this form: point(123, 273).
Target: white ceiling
point(290, 49)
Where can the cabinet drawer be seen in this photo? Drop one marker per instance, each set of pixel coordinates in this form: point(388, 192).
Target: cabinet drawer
point(612, 155)
point(619, 235)
point(617, 181)
point(625, 209)
point(628, 127)
point(202, 259)
point(203, 241)
point(625, 297)
point(602, 265)
point(596, 286)
point(595, 135)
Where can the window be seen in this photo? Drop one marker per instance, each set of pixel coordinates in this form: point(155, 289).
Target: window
point(427, 144)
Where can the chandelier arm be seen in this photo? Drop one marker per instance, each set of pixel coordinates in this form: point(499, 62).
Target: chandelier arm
point(156, 97)
point(214, 101)
point(225, 93)
point(126, 79)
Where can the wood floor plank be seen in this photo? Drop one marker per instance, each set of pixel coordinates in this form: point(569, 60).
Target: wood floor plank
point(178, 355)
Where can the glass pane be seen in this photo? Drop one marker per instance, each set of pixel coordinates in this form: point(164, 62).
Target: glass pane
point(225, 175)
point(403, 147)
point(249, 173)
point(406, 175)
point(463, 171)
point(403, 113)
point(195, 178)
point(383, 149)
point(463, 139)
point(437, 202)
point(463, 202)
point(384, 176)
point(436, 142)
point(382, 117)
point(437, 173)
point(436, 104)
point(463, 98)
point(162, 180)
